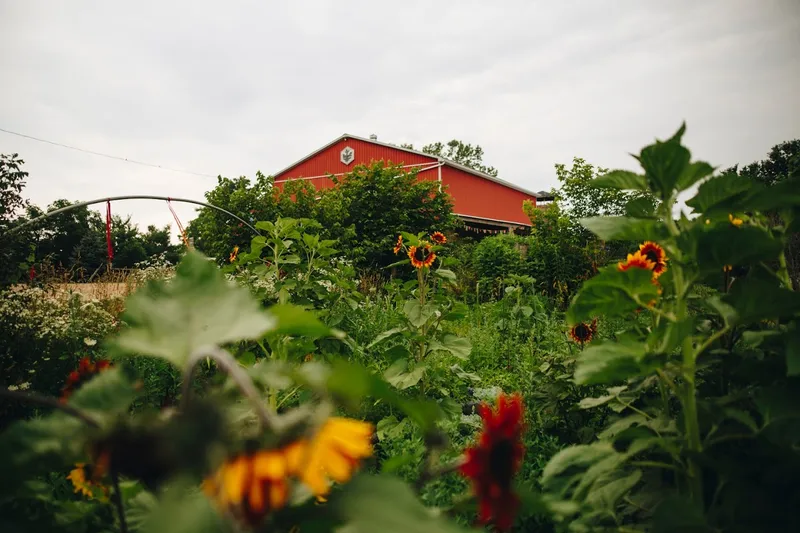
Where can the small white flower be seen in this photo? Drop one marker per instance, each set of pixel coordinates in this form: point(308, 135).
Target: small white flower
point(89, 342)
point(24, 386)
point(13, 387)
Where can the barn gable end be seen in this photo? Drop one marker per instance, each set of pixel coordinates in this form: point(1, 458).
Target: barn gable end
point(482, 201)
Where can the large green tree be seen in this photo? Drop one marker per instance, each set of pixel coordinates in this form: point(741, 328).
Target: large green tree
point(215, 233)
point(581, 199)
point(373, 203)
point(459, 152)
point(13, 248)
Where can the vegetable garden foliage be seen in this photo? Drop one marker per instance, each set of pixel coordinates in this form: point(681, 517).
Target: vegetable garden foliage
point(298, 403)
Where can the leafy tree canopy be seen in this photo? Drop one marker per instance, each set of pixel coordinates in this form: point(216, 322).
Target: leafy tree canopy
point(458, 152)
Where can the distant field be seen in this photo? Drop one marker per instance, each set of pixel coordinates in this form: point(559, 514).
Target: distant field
point(97, 291)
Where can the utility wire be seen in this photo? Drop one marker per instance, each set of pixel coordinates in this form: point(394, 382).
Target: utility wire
point(105, 155)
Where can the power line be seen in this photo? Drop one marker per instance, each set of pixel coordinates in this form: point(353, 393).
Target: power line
point(106, 155)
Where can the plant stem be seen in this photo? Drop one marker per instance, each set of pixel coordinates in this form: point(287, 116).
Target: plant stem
point(242, 380)
point(123, 525)
point(49, 401)
point(431, 473)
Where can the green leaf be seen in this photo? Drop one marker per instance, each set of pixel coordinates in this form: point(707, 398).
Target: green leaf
point(383, 503)
point(106, 395)
point(640, 208)
point(757, 299)
point(463, 374)
point(396, 352)
point(793, 351)
point(677, 513)
point(621, 179)
point(458, 346)
point(418, 314)
point(664, 162)
point(609, 362)
point(612, 293)
point(296, 321)
point(589, 403)
point(607, 495)
point(399, 376)
point(693, 173)
point(457, 312)
point(625, 228)
point(563, 467)
point(720, 190)
point(183, 509)
point(197, 308)
point(383, 336)
point(349, 381)
point(785, 194)
point(444, 273)
point(390, 427)
point(753, 244)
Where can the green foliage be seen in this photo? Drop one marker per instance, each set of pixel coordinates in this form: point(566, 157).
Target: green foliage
point(699, 379)
point(460, 152)
point(379, 201)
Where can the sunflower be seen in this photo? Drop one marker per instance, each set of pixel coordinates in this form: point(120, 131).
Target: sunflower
point(252, 485)
point(735, 221)
point(234, 254)
point(86, 370)
point(636, 260)
point(493, 461)
point(438, 237)
point(655, 254)
point(582, 332)
point(398, 245)
point(333, 453)
point(86, 479)
point(421, 256)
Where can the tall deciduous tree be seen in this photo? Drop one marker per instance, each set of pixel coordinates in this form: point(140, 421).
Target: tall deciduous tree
point(458, 152)
point(581, 199)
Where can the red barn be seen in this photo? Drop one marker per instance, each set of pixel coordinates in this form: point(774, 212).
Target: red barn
point(486, 204)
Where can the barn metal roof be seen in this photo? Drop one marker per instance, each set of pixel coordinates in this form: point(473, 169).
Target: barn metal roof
point(443, 160)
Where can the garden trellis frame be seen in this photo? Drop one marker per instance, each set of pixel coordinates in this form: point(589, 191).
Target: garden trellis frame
point(126, 197)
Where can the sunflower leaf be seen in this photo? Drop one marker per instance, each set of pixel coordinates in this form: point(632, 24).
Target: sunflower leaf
point(386, 504)
point(197, 308)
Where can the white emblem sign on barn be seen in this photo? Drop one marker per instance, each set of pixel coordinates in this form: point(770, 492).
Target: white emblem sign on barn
point(347, 155)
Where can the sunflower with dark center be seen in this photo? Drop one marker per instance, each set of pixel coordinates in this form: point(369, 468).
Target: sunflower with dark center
point(87, 478)
point(438, 237)
point(582, 332)
point(421, 256)
point(493, 461)
point(656, 255)
point(636, 260)
point(398, 245)
point(86, 371)
point(250, 486)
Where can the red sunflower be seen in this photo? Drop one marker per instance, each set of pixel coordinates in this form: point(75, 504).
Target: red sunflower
point(655, 254)
point(582, 332)
point(636, 260)
point(398, 245)
point(421, 256)
point(86, 370)
point(493, 461)
point(438, 237)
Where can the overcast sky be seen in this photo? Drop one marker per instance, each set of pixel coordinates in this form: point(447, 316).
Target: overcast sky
point(231, 88)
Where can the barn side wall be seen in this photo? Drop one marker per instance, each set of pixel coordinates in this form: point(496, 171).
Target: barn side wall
point(479, 197)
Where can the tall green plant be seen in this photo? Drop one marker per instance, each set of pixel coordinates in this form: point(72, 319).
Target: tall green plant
point(707, 393)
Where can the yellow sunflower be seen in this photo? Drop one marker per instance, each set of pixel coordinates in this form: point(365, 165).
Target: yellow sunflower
point(398, 245)
point(333, 454)
point(735, 221)
point(655, 254)
point(250, 486)
point(636, 260)
point(438, 237)
point(421, 256)
point(234, 254)
point(86, 480)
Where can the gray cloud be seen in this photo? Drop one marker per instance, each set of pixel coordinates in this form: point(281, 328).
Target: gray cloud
point(244, 86)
